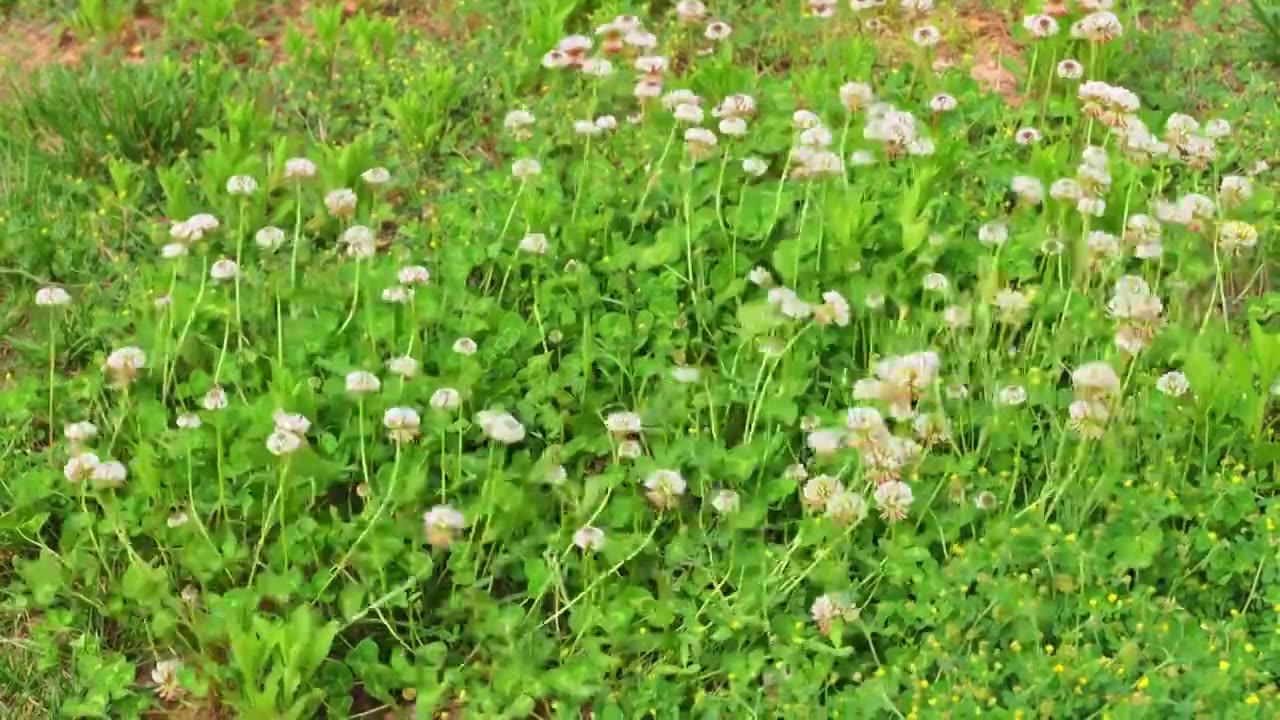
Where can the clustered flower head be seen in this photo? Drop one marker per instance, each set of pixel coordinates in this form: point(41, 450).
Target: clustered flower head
point(831, 607)
point(290, 433)
point(1096, 386)
point(1112, 104)
point(124, 364)
point(500, 426)
point(896, 131)
point(186, 233)
point(664, 487)
point(402, 424)
point(899, 382)
point(441, 524)
point(52, 297)
point(588, 538)
point(165, 677)
point(1137, 313)
point(1097, 27)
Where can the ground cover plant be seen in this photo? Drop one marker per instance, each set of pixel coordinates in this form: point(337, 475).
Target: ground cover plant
point(588, 359)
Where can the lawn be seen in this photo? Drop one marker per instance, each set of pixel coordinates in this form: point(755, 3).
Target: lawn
point(584, 359)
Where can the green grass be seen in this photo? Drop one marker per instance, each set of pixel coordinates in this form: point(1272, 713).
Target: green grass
point(842, 501)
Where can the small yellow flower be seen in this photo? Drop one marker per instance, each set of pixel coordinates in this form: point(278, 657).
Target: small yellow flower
point(1223, 665)
point(1143, 682)
point(1059, 668)
point(1252, 699)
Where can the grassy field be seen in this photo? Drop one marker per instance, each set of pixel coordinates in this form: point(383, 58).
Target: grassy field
point(583, 359)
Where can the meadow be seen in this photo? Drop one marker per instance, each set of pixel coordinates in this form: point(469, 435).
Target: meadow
point(592, 359)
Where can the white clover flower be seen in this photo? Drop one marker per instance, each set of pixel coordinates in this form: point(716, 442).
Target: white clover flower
point(269, 238)
point(685, 374)
point(203, 222)
point(651, 64)
point(165, 677)
point(224, 269)
point(124, 363)
point(362, 381)
point(1066, 189)
point(862, 158)
point(825, 443)
point(874, 301)
point(1099, 26)
point(829, 608)
point(413, 275)
point(647, 89)
point(699, 142)
point(80, 467)
point(691, 11)
point(894, 500)
point(283, 443)
point(920, 6)
point(79, 433)
point(1040, 26)
point(518, 122)
point(754, 166)
point(819, 490)
point(171, 251)
point(500, 426)
point(586, 128)
point(957, 317)
point(726, 502)
point(789, 304)
point(678, 97)
point(526, 168)
point(405, 366)
point(623, 423)
point(445, 399)
point(1070, 69)
point(1095, 381)
point(1217, 129)
point(1236, 237)
point(846, 509)
point(1091, 206)
point(1234, 190)
point(1173, 384)
point(664, 488)
point(817, 136)
point(360, 242)
point(1027, 136)
point(588, 538)
point(293, 423)
point(942, 102)
point(241, 185)
point(597, 67)
point(178, 519)
point(465, 346)
point(555, 59)
point(856, 96)
point(1029, 190)
point(733, 127)
point(440, 523)
point(607, 122)
point(402, 424)
point(629, 449)
point(376, 176)
point(796, 472)
point(760, 277)
point(926, 36)
point(340, 202)
point(214, 399)
point(1012, 395)
point(299, 168)
point(993, 234)
point(936, 282)
point(717, 30)
point(188, 421)
point(108, 474)
point(920, 147)
point(1052, 247)
point(534, 244)
point(1089, 418)
point(1102, 245)
point(805, 119)
point(834, 308)
point(641, 39)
